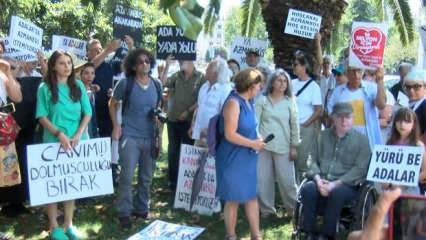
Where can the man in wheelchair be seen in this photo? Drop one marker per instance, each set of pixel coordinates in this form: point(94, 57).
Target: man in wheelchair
point(337, 165)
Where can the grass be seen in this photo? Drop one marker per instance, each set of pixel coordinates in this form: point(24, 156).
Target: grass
point(96, 219)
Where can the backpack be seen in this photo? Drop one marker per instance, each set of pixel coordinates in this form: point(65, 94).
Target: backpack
point(130, 82)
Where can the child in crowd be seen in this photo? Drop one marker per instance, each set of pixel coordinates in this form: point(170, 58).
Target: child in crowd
point(405, 132)
point(87, 75)
point(63, 109)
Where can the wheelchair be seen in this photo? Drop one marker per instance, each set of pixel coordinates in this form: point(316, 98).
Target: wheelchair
point(353, 216)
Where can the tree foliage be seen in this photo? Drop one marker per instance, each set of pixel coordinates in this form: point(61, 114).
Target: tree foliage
point(80, 18)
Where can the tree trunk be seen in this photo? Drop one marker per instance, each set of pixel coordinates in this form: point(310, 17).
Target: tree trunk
point(275, 14)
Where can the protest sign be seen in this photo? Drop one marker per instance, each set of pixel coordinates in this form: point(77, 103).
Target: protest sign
point(368, 41)
point(160, 230)
point(25, 35)
point(399, 165)
point(56, 175)
point(241, 45)
point(16, 54)
point(127, 21)
point(72, 45)
point(206, 202)
point(171, 41)
point(302, 24)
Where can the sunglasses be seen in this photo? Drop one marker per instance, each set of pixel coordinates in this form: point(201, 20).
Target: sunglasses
point(146, 61)
point(415, 87)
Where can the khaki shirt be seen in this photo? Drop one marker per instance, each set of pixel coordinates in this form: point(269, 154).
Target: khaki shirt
point(344, 159)
point(183, 94)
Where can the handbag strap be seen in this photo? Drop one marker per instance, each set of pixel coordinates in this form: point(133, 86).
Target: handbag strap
point(304, 87)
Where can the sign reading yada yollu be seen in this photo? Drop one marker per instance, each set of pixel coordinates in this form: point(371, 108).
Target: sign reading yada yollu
point(127, 21)
point(73, 45)
point(398, 165)
point(368, 41)
point(302, 24)
point(241, 45)
point(171, 41)
point(25, 35)
point(160, 230)
point(194, 184)
point(16, 54)
point(56, 175)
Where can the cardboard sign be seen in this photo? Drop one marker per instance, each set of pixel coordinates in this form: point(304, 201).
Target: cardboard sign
point(368, 43)
point(170, 40)
point(69, 44)
point(25, 35)
point(56, 175)
point(302, 24)
point(10, 174)
point(127, 21)
point(241, 45)
point(398, 165)
point(16, 54)
point(160, 230)
point(206, 202)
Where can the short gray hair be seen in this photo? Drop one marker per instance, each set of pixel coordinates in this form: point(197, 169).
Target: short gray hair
point(224, 74)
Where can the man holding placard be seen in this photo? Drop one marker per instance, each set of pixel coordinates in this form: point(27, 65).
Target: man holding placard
point(337, 166)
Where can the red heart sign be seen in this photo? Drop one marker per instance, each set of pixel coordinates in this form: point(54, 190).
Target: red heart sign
point(368, 45)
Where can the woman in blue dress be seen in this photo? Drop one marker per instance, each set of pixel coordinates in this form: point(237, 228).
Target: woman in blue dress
point(236, 156)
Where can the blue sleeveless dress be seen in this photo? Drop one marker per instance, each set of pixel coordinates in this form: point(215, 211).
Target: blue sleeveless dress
point(236, 165)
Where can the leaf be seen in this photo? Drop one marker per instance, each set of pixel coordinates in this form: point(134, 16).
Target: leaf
point(251, 11)
point(211, 15)
point(403, 20)
point(165, 4)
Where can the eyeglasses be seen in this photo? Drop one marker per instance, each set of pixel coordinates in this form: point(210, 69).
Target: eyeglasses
point(146, 61)
point(294, 64)
point(415, 87)
point(13, 67)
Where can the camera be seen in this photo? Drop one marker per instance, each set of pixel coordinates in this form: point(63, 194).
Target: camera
point(162, 116)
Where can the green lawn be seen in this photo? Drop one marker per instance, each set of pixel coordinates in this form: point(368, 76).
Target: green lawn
point(97, 220)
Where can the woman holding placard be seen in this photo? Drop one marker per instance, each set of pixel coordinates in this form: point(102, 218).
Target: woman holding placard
point(405, 132)
point(60, 99)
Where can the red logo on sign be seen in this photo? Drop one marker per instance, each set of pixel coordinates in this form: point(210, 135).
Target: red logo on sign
point(368, 45)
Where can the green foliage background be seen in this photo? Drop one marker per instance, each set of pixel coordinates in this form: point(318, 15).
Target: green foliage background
point(80, 18)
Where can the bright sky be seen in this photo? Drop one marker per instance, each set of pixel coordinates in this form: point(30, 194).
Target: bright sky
point(226, 5)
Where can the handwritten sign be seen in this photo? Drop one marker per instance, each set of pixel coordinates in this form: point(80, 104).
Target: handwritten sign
point(69, 44)
point(171, 40)
point(160, 230)
point(241, 45)
point(368, 41)
point(398, 165)
point(16, 54)
point(127, 21)
point(25, 35)
point(56, 175)
point(206, 202)
point(302, 24)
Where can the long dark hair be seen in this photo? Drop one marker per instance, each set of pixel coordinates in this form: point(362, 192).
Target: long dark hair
point(408, 115)
point(52, 79)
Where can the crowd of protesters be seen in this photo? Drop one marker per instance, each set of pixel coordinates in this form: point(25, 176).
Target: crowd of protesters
point(325, 120)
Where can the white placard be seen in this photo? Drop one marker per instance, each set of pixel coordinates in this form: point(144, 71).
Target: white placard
point(368, 41)
point(16, 54)
point(302, 24)
point(398, 165)
point(206, 202)
point(160, 230)
point(241, 45)
point(69, 44)
point(56, 175)
point(25, 35)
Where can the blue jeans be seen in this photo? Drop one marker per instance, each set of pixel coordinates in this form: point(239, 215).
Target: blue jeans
point(331, 206)
point(135, 151)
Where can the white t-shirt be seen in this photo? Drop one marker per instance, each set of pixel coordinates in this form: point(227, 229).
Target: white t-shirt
point(209, 103)
point(306, 101)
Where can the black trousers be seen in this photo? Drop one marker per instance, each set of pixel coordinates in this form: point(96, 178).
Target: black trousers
point(178, 134)
point(314, 203)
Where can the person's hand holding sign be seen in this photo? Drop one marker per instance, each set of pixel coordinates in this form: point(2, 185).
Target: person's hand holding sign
point(113, 45)
point(64, 140)
point(380, 74)
point(129, 41)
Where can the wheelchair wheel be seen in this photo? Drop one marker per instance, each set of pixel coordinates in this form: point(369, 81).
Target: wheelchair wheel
point(368, 197)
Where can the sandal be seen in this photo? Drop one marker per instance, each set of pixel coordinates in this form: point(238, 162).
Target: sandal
point(58, 234)
point(72, 233)
point(231, 238)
